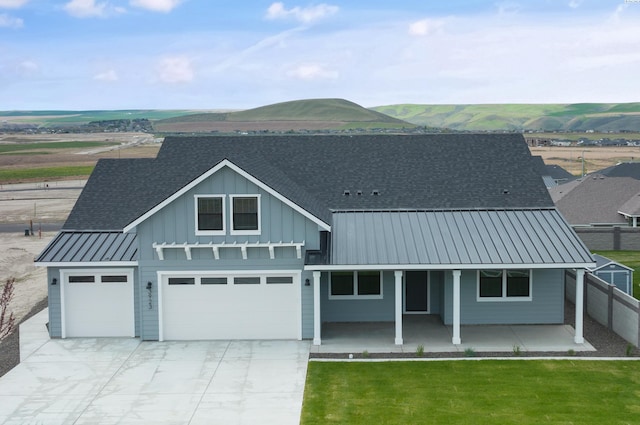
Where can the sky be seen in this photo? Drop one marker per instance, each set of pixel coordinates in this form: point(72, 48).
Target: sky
point(241, 54)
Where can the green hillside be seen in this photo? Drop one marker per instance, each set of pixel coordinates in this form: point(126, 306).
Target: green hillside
point(310, 110)
point(63, 118)
point(600, 117)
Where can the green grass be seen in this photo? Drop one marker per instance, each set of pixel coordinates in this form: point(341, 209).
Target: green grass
point(472, 392)
point(7, 176)
point(629, 259)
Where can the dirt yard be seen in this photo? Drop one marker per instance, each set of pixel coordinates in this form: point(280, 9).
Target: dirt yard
point(595, 158)
point(25, 206)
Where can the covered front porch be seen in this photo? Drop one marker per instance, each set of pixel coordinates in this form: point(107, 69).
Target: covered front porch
point(429, 332)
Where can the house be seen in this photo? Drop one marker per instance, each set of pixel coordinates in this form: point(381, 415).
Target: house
point(613, 273)
point(268, 237)
point(553, 175)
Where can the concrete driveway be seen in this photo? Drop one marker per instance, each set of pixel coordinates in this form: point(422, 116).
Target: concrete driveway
point(126, 381)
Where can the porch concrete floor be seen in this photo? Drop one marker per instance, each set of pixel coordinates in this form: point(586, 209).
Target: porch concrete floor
point(428, 330)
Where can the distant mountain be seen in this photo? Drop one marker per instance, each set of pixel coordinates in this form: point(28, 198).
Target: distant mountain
point(600, 117)
point(310, 114)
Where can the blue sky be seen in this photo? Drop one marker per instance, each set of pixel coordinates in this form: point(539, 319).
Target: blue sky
point(238, 54)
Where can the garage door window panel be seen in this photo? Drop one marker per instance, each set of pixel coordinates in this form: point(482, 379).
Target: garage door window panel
point(246, 280)
point(213, 281)
point(113, 279)
point(182, 281)
point(82, 279)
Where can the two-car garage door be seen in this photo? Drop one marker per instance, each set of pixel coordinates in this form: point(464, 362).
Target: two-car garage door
point(230, 306)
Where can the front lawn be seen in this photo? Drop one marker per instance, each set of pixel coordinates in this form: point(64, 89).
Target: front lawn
point(629, 259)
point(473, 392)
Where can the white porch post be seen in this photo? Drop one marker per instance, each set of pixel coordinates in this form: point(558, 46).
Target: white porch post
point(579, 338)
point(456, 308)
point(635, 222)
point(398, 278)
point(316, 308)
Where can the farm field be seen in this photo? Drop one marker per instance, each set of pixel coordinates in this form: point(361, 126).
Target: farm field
point(472, 392)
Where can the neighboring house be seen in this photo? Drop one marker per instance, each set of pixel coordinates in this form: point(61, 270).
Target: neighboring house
point(267, 237)
point(597, 200)
point(553, 175)
point(613, 273)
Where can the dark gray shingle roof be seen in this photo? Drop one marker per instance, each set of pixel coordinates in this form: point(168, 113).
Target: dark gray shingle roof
point(453, 171)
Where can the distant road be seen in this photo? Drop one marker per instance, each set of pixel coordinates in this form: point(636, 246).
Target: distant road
point(21, 227)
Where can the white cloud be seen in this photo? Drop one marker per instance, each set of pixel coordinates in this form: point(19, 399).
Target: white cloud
point(574, 4)
point(175, 69)
point(312, 72)
point(302, 14)
point(425, 27)
point(86, 9)
point(12, 4)
point(28, 67)
point(7, 21)
point(108, 75)
point(164, 6)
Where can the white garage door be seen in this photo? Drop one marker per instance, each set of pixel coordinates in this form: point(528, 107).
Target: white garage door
point(98, 304)
point(230, 306)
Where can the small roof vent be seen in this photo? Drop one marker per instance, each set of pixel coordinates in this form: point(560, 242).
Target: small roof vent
point(375, 192)
point(359, 193)
point(505, 191)
point(346, 193)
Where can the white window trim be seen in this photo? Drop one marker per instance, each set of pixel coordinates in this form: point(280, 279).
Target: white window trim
point(224, 216)
point(504, 297)
point(245, 232)
point(355, 295)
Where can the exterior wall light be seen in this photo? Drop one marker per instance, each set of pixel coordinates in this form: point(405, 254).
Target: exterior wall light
point(54, 281)
point(307, 282)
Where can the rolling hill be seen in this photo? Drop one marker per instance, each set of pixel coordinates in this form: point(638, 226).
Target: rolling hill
point(600, 117)
point(311, 114)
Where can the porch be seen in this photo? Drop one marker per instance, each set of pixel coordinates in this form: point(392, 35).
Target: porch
point(435, 337)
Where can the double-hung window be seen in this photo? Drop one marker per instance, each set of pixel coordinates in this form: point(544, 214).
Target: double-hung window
point(504, 285)
point(354, 285)
point(245, 214)
point(210, 215)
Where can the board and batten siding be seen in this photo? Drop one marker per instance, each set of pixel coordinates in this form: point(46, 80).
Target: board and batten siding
point(546, 306)
point(176, 223)
point(55, 307)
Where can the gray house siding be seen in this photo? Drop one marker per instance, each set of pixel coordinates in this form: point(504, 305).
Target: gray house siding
point(176, 223)
point(546, 306)
point(55, 308)
point(359, 310)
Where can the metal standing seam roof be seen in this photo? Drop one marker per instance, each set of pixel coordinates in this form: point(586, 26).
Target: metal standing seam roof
point(460, 239)
point(90, 247)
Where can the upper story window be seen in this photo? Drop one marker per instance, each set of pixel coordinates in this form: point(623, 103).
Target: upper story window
point(504, 285)
point(245, 214)
point(210, 215)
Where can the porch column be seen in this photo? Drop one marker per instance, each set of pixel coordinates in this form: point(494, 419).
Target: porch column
point(579, 339)
point(635, 222)
point(316, 308)
point(456, 308)
point(398, 276)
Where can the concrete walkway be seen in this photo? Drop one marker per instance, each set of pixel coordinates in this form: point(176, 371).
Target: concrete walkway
point(126, 381)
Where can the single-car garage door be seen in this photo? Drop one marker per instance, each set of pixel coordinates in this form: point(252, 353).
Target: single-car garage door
point(98, 303)
point(230, 306)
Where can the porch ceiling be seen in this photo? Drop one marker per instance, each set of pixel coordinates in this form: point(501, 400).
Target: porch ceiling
point(532, 238)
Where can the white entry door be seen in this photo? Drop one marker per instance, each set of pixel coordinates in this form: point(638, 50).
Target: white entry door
point(230, 306)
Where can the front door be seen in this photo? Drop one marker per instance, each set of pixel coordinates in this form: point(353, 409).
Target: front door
point(416, 292)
